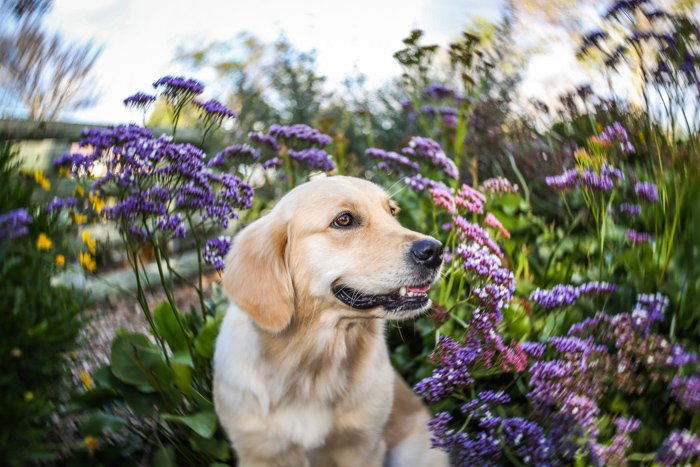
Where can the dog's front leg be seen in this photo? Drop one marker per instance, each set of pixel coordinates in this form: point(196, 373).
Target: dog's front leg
point(353, 451)
point(293, 457)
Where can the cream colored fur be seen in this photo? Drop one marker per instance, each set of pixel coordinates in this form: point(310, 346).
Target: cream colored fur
point(300, 378)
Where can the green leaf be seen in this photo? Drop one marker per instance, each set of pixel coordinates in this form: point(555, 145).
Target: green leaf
point(182, 377)
point(216, 448)
point(203, 423)
point(96, 397)
point(168, 328)
point(137, 361)
point(164, 457)
point(100, 422)
point(205, 340)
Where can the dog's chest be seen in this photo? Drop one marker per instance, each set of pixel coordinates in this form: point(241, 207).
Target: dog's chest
point(297, 397)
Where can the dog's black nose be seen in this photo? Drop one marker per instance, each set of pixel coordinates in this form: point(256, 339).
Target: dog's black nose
point(427, 252)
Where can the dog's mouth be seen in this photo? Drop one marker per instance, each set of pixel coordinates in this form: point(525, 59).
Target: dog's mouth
point(406, 298)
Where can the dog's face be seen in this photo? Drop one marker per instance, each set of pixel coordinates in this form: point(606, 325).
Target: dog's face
point(331, 246)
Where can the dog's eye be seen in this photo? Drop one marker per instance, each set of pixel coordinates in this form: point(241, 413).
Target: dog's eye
point(343, 221)
point(393, 210)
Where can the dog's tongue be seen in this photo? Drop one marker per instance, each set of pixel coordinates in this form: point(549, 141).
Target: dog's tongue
point(423, 289)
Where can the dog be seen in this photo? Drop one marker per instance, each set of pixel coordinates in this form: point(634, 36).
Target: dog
point(302, 375)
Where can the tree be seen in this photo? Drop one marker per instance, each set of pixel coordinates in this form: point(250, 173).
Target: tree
point(40, 70)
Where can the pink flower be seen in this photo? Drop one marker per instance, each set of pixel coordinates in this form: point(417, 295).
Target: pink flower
point(491, 221)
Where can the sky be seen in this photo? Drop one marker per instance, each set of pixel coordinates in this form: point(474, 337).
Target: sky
point(139, 38)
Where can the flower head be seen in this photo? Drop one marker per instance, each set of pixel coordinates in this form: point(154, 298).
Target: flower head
point(140, 100)
point(43, 242)
point(14, 224)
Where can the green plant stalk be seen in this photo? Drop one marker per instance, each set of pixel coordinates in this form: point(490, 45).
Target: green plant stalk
point(200, 268)
point(169, 295)
point(141, 297)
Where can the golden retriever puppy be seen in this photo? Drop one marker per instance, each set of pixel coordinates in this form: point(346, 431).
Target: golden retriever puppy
point(301, 370)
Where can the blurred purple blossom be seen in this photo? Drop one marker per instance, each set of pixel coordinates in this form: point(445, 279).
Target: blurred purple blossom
point(648, 191)
point(13, 224)
point(215, 251)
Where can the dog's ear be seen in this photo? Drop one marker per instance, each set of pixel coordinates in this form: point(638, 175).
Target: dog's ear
point(256, 275)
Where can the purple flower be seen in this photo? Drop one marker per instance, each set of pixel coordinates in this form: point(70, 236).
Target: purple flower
point(300, 133)
point(431, 150)
point(438, 91)
point(473, 232)
point(637, 237)
point(179, 85)
point(60, 203)
point(242, 151)
point(686, 390)
point(617, 133)
point(630, 208)
point(498, 186)
point(13, 224)
point(215, 251)
point(563, 294)
point(313, 158)
point(648, 191)
point(452, 374)
point(419, 183)
point(391, 161)
point(568, 179)
point(140, 100)
point(533, 349)
point(215, 109)
point(264, 139)
point(271, 163)
point(679, 448)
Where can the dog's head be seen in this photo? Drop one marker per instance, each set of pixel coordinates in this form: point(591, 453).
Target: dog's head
point(332, 245)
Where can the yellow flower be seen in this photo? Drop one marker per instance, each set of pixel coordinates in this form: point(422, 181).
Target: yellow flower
point(79, 190)
point(74, 356)
point(87, 261)
point(89, 241)
point(43, 242)
point(29, 396)
point(97, 203)
point(78, 218)
point(60, 260)
point(42, 180)
point(86, 379)
point(64, 172)
point(92, 444)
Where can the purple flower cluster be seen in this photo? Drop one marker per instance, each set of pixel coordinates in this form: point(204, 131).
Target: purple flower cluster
point(679, 448)
point(637, 237)
point(452, 374)
point(313, 158)
point(215, 251)
point(686, 390)
point(265, 140)
point(470, 199)
point(391, 161)
point(14, 224)
point(474, 233)
point(604, 180)
point(648, 191)
point(57, 204)
point(616, 132)
point(214, 109)
point(302, 145)
point(300, 133)
point(564, 294)
point(140, 100)
point(630, 208)
point(428, 149)
point(176, 86)
point(615, 452)
point(438, 91)
point(418, 183)
point(498, 186)
point(159, 183)
point(235, 152)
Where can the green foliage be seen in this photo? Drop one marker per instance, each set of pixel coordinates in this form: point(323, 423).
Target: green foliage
point(39, 325)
